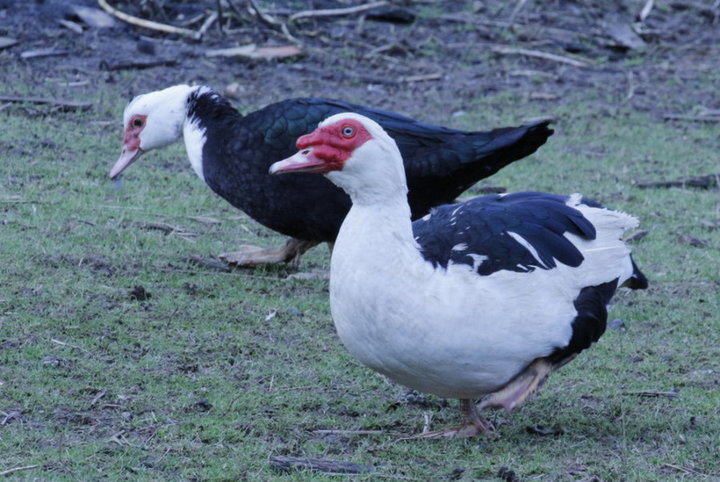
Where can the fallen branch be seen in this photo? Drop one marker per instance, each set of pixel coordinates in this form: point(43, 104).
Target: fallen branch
point(504, 50)
point(334, 12)
point(285, 464)
point(704, 182)
point(148, 24)
point(63, 104)
point(18, 469)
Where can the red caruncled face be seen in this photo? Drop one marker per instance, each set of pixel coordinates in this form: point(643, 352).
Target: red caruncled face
point(136, 124)
point(336, 142)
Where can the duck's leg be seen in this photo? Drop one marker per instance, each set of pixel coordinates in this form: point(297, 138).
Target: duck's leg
point(520, 387)
point(248, 256)
point(474, 425)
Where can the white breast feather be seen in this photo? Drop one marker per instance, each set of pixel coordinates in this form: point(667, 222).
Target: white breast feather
point(451, 332)
point(195, 137)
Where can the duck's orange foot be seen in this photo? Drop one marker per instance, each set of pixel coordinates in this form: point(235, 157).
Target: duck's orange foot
point(248, 256)
point(519, 388)
point(475, 425)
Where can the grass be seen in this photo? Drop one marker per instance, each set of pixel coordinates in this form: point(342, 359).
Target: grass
point(216, 372)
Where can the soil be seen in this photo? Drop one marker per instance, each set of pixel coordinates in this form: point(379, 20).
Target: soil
point(427, 59)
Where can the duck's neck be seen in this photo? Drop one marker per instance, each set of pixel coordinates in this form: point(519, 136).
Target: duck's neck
point(205, 109)
point(376, 236)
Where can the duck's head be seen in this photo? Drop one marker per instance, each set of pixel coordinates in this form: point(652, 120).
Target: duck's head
point(354, 152)
point(151, 121)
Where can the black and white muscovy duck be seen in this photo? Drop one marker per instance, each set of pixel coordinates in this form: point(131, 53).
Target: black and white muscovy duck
point(479, 299)
point(232, 153)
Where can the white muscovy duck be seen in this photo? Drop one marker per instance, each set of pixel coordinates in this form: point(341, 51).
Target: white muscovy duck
point(479, 299)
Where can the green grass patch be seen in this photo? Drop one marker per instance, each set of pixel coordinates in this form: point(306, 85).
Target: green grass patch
point(215, 372)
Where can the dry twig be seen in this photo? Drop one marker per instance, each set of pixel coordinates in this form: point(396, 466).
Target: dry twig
point(686, 470)
point(148, 24)
point(334, 12)
point(97, 397)
point(18, 469)
point(647, 8)
point(271, 22)
point(505, 50)
point(69, 344)
point(212, 18)
point(516, 10)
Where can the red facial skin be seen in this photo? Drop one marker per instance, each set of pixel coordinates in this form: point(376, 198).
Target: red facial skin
point(325, 149)
point(131, 145)
point(335, 143)
point(131, 139)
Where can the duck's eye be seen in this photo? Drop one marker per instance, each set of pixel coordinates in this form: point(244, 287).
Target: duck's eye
point(137, 122)
point(348, 131)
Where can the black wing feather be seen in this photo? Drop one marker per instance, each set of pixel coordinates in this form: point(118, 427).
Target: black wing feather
point(458, 233)
point(440, 162)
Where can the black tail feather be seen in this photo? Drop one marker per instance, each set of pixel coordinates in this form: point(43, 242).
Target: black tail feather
point(590, 322)
point(637, 281)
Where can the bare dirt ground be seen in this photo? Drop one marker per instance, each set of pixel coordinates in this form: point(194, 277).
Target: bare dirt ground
point(423, 58)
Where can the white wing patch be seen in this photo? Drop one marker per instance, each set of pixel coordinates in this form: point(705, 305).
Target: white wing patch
point(531, 249)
